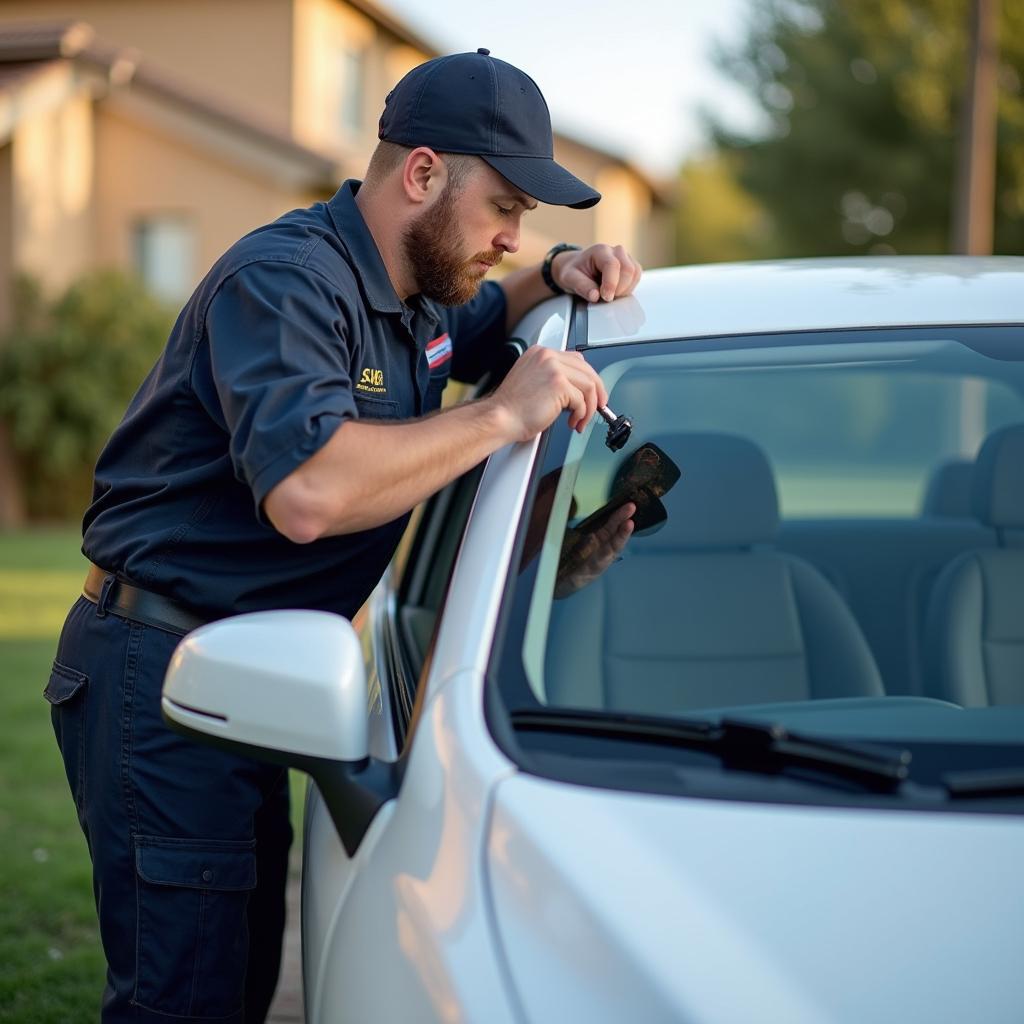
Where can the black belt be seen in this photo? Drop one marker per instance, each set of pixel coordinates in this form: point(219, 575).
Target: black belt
point(111, 594)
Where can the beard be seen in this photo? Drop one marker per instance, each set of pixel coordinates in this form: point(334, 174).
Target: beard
point(433, 247)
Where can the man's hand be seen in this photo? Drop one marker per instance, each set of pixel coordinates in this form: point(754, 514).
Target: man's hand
point(541, 384)
point(589, 556)
point(598, 272)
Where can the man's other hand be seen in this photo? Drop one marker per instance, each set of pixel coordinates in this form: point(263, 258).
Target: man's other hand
point(584, 558)
point(600, 272)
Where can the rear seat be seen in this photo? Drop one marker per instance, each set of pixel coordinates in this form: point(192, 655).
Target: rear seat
point(976, 620)
point(886, 569)
point(948, 494)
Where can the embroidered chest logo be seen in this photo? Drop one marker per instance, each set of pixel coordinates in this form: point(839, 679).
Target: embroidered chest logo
point(439, 351)
point(372, 380)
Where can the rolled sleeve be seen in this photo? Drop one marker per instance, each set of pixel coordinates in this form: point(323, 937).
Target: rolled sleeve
point(279, 363)
point(477, 330)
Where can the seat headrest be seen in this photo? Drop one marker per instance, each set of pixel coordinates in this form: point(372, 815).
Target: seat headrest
point(997, 494)
point(726, 496)
point(948, 495)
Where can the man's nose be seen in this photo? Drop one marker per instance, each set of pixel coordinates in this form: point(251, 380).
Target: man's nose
point(508, 239)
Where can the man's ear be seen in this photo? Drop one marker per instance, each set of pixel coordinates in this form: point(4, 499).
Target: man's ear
point(424, 175)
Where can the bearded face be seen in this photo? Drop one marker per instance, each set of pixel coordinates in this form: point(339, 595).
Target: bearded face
point(435, 249)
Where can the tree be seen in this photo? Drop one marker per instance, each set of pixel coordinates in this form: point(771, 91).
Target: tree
point(68, 369)
point(717, 219)
point(861, 102)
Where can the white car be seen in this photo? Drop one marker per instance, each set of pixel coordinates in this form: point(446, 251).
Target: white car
point(765, 765)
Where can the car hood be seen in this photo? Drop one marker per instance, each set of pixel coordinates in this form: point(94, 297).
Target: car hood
point(613, 906)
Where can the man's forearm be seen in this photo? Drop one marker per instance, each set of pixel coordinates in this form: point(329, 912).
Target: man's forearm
point(370, 472)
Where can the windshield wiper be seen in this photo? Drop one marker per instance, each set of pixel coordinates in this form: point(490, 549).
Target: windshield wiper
point(984, 782)
point(742, 744)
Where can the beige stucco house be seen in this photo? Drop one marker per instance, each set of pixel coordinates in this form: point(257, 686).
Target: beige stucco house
point(151, 134)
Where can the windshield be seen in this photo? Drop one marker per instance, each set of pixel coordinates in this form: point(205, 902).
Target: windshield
point(815, 542)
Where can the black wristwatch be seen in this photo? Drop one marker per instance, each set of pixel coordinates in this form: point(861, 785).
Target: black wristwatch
point(545, 267)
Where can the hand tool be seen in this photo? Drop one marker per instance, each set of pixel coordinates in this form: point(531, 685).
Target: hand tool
point(619, 427)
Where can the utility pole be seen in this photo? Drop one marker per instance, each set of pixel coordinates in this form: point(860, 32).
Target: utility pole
point(974, 197)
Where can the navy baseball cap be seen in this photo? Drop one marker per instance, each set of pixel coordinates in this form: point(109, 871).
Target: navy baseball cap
point(475, 104)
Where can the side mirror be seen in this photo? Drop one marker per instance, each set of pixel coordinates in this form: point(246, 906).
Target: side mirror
point(282, 682)
point(287, 687)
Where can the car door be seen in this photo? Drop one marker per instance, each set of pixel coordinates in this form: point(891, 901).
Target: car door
point(396, 627)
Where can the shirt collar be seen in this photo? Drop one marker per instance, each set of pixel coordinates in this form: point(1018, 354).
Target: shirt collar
point(366, 258)
point(428, 309)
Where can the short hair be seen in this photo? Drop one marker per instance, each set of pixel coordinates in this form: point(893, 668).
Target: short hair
point(389, 156)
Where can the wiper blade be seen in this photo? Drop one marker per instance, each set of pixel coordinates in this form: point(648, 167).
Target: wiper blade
point(762, 746)
point(740, 743)
point(984, 782)
point(613, 725)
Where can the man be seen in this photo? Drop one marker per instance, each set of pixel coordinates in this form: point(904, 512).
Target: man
point(270, 459)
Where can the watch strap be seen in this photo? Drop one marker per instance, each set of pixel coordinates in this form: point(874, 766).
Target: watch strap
point(545, 267)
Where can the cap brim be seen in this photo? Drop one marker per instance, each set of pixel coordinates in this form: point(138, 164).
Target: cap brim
point(545, 180)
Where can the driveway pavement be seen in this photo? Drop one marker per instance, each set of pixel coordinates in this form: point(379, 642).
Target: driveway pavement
point(287, 1005)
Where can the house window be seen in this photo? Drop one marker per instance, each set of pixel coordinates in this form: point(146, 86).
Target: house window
point(351, 71)
point(164, 249)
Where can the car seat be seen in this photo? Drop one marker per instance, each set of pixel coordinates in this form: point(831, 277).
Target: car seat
point(974, 637)
point(948, 494)
point(705, 613)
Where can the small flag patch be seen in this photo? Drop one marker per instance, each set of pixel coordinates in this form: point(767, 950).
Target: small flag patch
point(439, 351)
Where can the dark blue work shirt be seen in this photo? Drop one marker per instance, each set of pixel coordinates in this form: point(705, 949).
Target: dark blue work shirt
point(294, 330)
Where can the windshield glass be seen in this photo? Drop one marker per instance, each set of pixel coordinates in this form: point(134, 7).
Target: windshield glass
point(814, 544)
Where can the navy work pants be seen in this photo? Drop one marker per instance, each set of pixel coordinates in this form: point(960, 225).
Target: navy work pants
point(180, 834)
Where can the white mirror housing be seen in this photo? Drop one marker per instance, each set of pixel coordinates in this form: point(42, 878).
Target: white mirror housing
point(292, 682)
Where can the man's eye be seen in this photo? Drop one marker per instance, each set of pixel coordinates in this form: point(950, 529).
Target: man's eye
point(503, 211)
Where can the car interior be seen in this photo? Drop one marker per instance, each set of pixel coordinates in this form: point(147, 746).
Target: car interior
point(894, 567)
point(715, 563)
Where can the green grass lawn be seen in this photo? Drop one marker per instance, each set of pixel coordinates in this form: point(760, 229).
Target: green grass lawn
point(51, 964)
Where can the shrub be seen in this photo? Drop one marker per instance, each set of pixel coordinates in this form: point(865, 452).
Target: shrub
point(68, 368)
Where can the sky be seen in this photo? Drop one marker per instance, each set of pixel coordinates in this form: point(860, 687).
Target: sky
point(630, 76)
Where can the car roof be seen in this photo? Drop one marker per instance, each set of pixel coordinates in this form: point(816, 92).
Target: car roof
point(813, 294)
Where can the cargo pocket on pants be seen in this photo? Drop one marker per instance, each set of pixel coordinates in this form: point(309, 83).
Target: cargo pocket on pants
point(192, 942)
point(65, 692)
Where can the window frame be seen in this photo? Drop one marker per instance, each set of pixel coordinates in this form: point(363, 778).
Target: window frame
point(350, 90)
point(146, 231)
point(405, 665)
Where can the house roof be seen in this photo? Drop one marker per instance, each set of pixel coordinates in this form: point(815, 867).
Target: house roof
point(26, 49)
point(18, 71)
point(395, 26)
point(32, 42)
point(661, 191)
